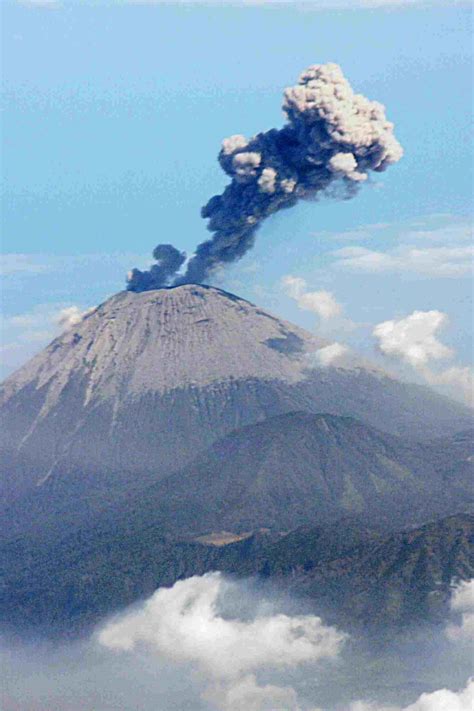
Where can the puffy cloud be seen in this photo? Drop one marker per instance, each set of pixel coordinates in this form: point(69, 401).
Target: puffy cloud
point(267, 180)
point(23, 334)
point(247, 695)
point(441, 700)
point(414, 341)
point(457, 379)
point(463, 596)
point(183, 623)
point(413, 338)
point(322, 303)
point(45, 318)
point(71, 316)
point(345, 165)
point(446, 700)
point(334, 354)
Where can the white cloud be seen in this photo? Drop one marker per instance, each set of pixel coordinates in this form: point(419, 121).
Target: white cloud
point(453, 261)
point(332, 355)
point(463, 596)
point(413, 338)
point(184, 624)
point(462, 604)
point(449, 231)
point(23, 334)
point(247, 695)
point(45, 318)
point(441, 700)
point(322, 303)
point(414, 341)
point(294, 286)
point(458, 381)
point(162, 656)
point(435, 245)
point(70, 316)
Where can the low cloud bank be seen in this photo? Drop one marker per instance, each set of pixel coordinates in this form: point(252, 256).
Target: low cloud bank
point(214, 644)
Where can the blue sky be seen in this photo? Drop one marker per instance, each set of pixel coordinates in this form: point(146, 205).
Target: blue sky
point(114, 114)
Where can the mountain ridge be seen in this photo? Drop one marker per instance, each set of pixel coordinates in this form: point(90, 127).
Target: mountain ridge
point(292, 470)
point(350, 573)
point(299, 467)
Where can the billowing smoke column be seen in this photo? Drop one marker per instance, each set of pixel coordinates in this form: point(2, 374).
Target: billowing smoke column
point(168, 259)
point(332, 134)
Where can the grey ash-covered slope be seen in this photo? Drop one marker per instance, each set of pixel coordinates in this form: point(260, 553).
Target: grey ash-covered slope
point(147, 381)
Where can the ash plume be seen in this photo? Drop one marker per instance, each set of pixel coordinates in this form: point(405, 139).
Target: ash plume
point(331, 135)
point(169, 260)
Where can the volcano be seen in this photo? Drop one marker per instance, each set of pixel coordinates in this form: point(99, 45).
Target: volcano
point(169, 420)
point(148, 381)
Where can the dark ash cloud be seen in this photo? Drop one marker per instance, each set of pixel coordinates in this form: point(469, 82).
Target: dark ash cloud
point(332, 136)
point(168, 261)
